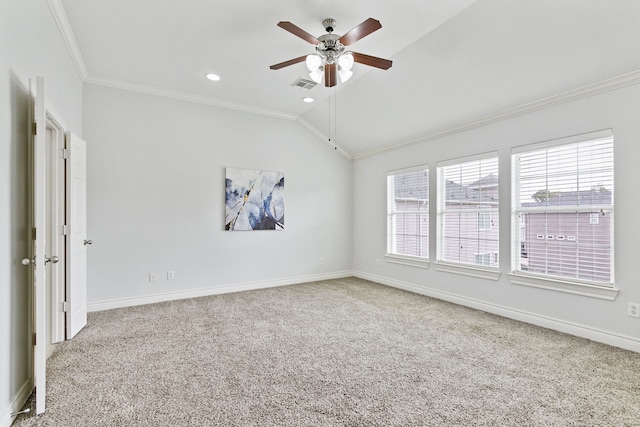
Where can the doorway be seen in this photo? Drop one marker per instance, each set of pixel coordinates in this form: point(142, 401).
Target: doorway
point(57, 213)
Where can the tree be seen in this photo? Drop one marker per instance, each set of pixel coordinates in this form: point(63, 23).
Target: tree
point(542, 195)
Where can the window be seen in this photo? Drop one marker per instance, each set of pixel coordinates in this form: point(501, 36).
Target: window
point(488, 259)
point(563, 206)
point(408, 213)
point(484, 221)
point(468, 211)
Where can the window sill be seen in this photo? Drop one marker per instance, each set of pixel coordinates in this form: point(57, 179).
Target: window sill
point(407, 260)
point(560, 285)
point(467, 270)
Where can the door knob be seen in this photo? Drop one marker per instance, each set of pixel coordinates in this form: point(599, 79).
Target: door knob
point(27, 261)
point(88, 242)
point(54, 259)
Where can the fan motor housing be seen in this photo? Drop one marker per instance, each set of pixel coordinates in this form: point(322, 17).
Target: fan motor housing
point(330, 47)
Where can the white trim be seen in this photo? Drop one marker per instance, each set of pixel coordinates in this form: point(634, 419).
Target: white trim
point(215, 290)
point(585, 289)
point(468, 270)
point(187, 97)
point(322, 137)
point(407, 260)
point(62, 21)
point(583, 92)
point(17, 403)
point(598, 335)
point(183, 96)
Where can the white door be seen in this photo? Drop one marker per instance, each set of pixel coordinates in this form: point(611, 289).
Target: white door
point(38, 258)
point(77, 238)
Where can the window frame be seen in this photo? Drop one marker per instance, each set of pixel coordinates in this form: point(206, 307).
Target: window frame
point(475, 270)
point(518, 276)
point(392, 256)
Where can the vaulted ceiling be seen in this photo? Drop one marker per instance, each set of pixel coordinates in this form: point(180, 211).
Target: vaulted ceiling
point(454, 61)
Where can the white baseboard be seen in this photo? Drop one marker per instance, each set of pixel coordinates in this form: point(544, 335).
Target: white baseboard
point(21, 397)
point(582, 331)
point(215, 290)
point(625, 342)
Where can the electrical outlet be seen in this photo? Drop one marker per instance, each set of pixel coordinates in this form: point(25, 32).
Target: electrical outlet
point(171, 275)
point(633, 309)
point(152, 277)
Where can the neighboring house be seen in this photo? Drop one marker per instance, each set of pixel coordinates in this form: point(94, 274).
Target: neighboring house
point(487, 185)
point(470, 238)
point(549, 240)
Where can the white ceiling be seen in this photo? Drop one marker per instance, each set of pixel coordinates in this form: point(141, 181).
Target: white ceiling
point(454, 61)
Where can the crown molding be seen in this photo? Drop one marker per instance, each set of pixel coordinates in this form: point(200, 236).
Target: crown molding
point(324, 138)
point(187, 97)
point(183, 96)
point(60, 16)
point(587, 91)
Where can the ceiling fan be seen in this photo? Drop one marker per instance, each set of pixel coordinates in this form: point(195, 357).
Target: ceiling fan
point(331, 57)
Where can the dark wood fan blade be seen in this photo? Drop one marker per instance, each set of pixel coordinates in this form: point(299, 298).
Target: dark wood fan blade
point(330, 75)
point(289, 62)
point(297, 31)
point(364, 29)
point(372, 61)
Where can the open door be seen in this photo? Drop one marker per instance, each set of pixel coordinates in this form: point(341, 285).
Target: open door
point(76, 291)
point(38, 259)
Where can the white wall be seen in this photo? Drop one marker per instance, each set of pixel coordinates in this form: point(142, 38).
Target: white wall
point(156, 200)
point(30, 46)
point(156, 179)
point(597, 319)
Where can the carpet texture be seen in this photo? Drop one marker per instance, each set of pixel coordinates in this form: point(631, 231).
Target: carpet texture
point(344, 352)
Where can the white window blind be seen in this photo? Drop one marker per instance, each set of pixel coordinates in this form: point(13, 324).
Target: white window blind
point(468, 217)
point(408, 212)
point(563, 208)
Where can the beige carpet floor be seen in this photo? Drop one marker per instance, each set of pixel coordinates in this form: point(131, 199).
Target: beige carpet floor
point(343, 352)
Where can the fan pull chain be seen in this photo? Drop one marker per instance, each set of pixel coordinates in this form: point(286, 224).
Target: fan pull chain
point(329, 116)
point(335, 121)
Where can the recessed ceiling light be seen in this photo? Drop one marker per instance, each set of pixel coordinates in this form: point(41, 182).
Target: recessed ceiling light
point(307, 99)
point(213, 77)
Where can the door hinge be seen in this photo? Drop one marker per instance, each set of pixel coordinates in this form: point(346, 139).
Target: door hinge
point(33, 233)
point(65, 306)
point(65, 230)
point(35, 128)
point(65, 153)
point(34, 338)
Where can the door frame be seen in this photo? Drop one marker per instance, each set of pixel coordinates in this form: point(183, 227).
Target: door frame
point(55, 221)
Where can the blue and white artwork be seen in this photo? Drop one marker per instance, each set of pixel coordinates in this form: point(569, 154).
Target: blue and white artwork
point(254, 200)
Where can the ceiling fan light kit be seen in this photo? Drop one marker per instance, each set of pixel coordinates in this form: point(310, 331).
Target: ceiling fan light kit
point(331, 56)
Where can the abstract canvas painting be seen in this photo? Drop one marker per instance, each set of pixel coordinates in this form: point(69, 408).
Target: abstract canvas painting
point(254, 200)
